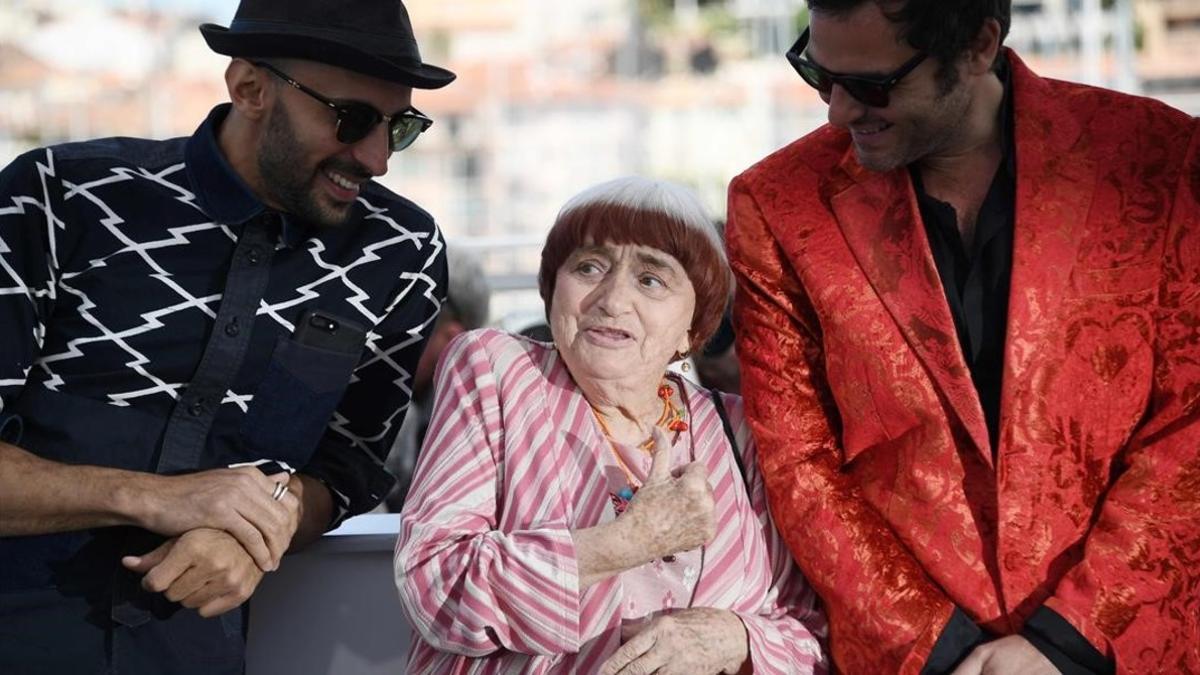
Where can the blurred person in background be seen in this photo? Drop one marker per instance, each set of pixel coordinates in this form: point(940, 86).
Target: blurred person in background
point(180, 325)
point(717, 364)
point(468, 297)
point(577, 508)
point(968, 318)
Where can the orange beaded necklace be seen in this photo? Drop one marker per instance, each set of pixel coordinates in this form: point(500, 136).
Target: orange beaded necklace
point(671, 419)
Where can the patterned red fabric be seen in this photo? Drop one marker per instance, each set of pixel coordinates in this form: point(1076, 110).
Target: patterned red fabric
point(871, 435)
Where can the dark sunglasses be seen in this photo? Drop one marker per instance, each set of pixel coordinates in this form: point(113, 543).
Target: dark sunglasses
point(356, 119)
point(872, 91)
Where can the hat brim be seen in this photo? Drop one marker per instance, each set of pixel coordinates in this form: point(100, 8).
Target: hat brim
point(316, 48)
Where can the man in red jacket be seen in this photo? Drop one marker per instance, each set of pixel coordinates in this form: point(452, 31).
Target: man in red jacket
point(969, 326)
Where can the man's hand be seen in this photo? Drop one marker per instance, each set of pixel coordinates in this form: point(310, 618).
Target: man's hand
point(205, 569)
point(695, 641)
point(238, 501)
point(668, 514)
point(1012, 655)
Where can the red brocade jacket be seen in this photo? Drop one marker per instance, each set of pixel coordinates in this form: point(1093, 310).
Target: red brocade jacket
point(871, 435)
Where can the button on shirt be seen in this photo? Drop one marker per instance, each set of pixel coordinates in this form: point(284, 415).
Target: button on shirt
point(151, 319)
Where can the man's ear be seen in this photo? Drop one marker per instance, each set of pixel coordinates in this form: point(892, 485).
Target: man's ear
point(250, 90)
point(981, 53)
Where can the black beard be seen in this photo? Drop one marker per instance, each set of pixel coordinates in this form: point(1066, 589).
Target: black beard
point(287, 180)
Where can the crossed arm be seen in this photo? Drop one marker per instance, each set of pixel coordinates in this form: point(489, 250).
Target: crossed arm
point(224, 528)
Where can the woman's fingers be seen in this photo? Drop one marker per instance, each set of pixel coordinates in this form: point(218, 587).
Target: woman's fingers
point(660, 463)
point(630, 652)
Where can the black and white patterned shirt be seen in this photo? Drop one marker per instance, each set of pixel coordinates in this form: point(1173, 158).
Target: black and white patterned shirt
point(150, 317)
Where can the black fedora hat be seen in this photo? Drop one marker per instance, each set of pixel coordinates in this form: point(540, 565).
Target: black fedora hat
point(373, 37)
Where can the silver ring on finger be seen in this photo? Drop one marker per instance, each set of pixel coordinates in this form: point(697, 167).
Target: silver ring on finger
point(281, 489)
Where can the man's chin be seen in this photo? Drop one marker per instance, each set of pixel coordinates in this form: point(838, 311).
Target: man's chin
point(876, 161)
point(329, 214)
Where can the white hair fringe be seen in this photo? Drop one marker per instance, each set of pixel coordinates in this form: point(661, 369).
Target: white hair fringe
point(651, 194)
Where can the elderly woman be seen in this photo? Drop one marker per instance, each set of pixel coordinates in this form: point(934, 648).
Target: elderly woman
point(579, 509)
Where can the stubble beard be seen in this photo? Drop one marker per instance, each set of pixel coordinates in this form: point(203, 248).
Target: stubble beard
point(287, 178)
point(928, 135)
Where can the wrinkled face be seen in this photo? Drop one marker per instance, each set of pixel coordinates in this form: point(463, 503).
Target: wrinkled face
point(305, 170)
point(922, 118)
point(621, 311)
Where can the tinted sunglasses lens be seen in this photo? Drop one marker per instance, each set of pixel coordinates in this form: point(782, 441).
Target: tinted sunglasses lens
point(874, 95)
point(814, 77)
point(355, 121)
point(404, 131)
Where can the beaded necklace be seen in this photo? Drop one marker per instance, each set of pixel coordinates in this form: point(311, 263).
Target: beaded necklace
point(671, 419)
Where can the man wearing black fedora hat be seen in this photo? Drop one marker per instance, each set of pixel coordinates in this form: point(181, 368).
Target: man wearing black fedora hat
point(206, 344)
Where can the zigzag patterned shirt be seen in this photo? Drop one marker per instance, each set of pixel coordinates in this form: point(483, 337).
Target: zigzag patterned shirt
point(150, 317)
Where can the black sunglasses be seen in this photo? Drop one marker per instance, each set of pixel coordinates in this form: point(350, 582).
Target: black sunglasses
point(356, 119)
point(872, 91)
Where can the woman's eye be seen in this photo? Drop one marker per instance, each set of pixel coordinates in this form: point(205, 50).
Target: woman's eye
point(588, 267)
point(651, 281)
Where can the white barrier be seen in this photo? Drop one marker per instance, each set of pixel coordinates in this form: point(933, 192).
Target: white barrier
point(333, 607)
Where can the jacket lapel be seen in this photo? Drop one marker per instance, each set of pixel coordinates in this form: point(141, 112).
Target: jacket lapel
point(1055, 182)
point(879, 218)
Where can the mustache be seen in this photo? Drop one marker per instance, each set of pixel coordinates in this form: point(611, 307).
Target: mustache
point(349, 169)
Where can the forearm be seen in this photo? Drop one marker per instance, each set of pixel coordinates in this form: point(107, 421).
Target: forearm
point(517, 591)
point(316, 510)
point(605, 551)
point(39, 496)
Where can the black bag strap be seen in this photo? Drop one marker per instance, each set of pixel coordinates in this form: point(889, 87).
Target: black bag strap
point(719, 402)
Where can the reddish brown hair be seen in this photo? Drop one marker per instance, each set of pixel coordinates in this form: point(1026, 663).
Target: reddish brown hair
point(655, 214)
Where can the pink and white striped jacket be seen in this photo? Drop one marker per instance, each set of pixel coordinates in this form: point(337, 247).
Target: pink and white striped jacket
point(485, 562)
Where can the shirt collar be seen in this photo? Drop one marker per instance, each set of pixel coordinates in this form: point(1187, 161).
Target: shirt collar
point(220, 191)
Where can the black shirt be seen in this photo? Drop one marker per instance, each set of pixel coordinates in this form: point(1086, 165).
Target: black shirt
point(976, 280)
point(153, 318)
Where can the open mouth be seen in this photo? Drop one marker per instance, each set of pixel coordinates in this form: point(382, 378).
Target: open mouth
point(869, 131)
point(607, 334)
point(343, 187)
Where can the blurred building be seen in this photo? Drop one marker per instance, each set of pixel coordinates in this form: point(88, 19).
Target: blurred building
point(552, 96)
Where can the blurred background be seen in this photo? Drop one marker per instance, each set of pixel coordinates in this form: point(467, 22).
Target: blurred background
point(552, 95)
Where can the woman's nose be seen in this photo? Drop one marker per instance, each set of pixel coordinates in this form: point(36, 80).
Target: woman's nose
point(614, 295)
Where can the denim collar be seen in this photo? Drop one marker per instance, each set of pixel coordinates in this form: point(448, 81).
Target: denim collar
point(220, 191)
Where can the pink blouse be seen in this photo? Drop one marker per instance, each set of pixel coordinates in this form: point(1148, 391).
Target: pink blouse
point(485, 563)
point(663, 585)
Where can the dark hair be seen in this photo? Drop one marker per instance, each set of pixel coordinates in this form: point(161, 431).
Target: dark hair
point(652, 213)
point(942, 28)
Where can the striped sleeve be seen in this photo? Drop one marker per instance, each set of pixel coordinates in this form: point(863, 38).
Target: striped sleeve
point(468, 587)
point(788, 630)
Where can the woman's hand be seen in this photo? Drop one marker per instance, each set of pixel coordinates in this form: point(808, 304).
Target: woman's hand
point(671, 514)
point(666, 516)
point(692, 641)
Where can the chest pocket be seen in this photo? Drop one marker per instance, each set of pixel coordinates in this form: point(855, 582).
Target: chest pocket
point(299, 394)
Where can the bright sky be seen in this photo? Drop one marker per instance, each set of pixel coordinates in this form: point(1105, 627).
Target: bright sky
point(220, 10)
